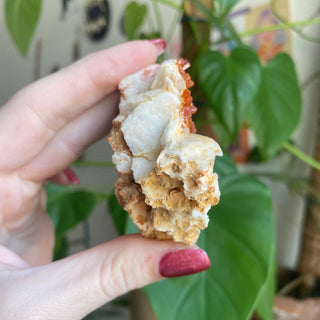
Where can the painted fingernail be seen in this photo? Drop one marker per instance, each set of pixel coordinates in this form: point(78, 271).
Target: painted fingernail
point(71, 176)
point(183, 262)
point(160, 44)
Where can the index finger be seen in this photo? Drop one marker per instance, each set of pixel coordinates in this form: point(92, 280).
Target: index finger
point(33, 116)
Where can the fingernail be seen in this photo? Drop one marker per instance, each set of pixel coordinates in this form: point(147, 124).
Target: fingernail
point(72, 177)
point(183, 262)
point(160, 44)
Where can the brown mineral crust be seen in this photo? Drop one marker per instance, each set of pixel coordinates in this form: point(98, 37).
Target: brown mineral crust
point(182, 228)
point(172, 209)
point(127, 191)
point(116, 138)
point(203, 199)
point(132, 199)
point(166, 192)
point(175, 198)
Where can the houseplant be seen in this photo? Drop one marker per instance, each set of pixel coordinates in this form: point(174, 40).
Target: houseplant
point(240, 240)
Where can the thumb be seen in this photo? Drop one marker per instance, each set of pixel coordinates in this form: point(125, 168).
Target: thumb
point(73, 287)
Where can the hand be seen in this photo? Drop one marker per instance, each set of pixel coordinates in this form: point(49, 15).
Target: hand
point(43, 129)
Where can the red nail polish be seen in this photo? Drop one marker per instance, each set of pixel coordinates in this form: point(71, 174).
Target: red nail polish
point(160, 44)
point(72, 177)
point(183, 262)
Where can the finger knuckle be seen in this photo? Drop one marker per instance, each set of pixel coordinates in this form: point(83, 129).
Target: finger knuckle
point(116, 277)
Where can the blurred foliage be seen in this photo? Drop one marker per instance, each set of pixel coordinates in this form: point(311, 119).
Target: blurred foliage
point(67, 209)
point(22, 18)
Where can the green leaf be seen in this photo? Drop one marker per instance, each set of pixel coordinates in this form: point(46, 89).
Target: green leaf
point(148, 36)
point(67, 208)
point(134, 16)
point(225, 165)
point(21, 18)
point(265, 300)
point(61, 248)
point(301, 155)
point(225, 6)
point(119, 215)
point(239, 242)
point(171, 4)
point(277, 107)
point(130, 226)
point(205, 9)
point(121, 218)
point(230, 84)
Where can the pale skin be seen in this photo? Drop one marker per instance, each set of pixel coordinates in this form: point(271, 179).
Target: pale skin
point(43, 129)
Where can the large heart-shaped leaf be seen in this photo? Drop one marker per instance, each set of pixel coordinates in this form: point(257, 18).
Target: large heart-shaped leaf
point(67, 208)
point(240, 242)
point(266, 297)
point(21, 18)
point(277, 107)
point(230, 84)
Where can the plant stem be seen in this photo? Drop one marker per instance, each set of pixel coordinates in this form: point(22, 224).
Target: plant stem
point(100, 196)
point(280, 26)
point(171, 4)
point(97, 164)
point(94, 188)
point(157, 15)
point(279, 177)
point(310, 79)
point(151, 23)
point(97, 190)
point(301, 155)
point(292, 285)
point(173, 25)
point(234, 34)
point(196, 32)
point(90, 186)
point(203, 9)
point(299, 32)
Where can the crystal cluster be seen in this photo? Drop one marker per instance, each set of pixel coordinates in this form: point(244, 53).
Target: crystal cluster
point(165, 170)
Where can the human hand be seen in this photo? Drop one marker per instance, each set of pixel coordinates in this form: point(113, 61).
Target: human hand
point(43, 129)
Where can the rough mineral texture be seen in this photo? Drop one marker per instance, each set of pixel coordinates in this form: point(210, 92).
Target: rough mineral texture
point(165, 170)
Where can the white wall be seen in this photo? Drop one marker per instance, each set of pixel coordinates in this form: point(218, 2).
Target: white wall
point(306, 55)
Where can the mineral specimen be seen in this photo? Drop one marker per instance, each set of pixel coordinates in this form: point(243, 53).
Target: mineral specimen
point(165, 170)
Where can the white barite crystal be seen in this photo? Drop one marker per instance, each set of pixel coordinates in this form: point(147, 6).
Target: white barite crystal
point(123, 162)
point(166, 178)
